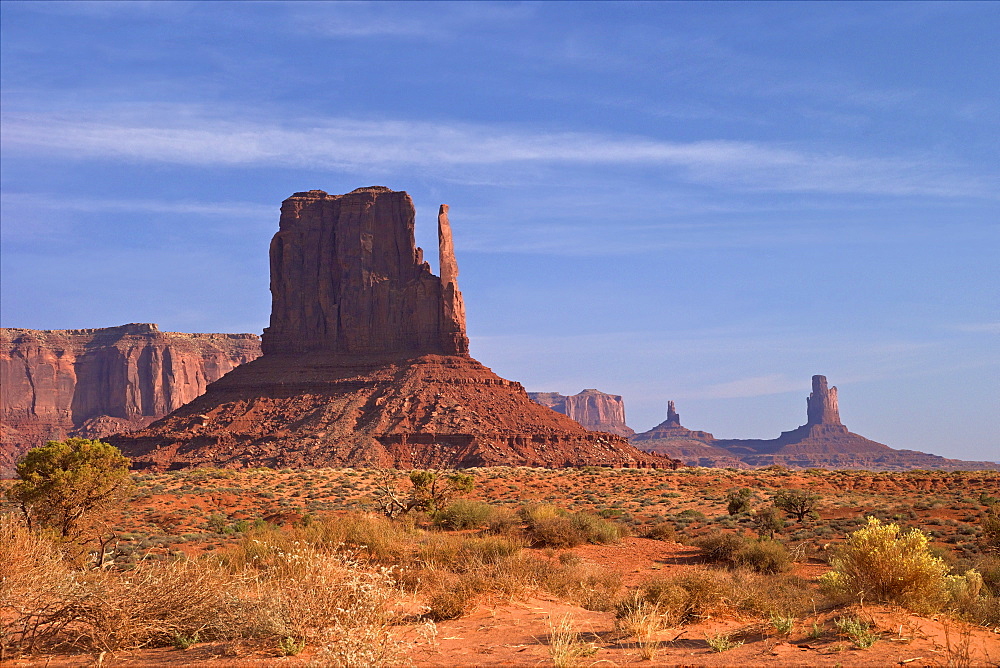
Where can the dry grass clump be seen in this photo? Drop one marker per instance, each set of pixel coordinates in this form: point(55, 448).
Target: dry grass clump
point(587, 585)
point(149, 605)
point(271, 587)
point(566, 647)
point(306, 592)
point(644, 621)
point(698, 594)
point(36, 589)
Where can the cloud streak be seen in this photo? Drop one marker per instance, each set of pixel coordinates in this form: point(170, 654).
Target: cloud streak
point(138, 205)
point(192, 137)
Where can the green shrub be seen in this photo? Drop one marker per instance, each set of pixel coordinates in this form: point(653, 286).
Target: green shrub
point(722, 642)
point(858, 630)
point(738, 501)
point(596, 530)
point(464, 514)
point(549, 526)
point(68, 487)
point(798, 503)
point(734, 550)
point(765, 556)
point(878, 563)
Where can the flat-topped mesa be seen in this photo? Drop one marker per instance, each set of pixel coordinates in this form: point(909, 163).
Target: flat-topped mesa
point(593, 409)
point(348, 278)
point(821, 405)
point(91, 383)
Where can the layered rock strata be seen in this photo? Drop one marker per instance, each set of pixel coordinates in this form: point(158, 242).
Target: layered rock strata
point(366, 364)
point(96, 382)
point(593, 409)
point(822, 442)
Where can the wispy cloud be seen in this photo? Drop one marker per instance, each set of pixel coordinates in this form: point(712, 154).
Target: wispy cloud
point(433, 20)
point(161, 134)
point(137, 205)
point(755, 386)
point(977, 327)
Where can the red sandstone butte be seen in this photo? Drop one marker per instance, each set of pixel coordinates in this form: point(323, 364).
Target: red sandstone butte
point(366, 363)
point(96, 382)
point(591, 408)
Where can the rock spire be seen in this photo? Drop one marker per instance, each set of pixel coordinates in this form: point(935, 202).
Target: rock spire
point(672, 416)
point(821, 405)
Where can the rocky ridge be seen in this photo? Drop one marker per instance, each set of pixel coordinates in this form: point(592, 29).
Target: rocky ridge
point(822, 442)
point(365, 363)
point(97, 382)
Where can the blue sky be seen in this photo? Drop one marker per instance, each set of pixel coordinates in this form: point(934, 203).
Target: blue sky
point(705, 202)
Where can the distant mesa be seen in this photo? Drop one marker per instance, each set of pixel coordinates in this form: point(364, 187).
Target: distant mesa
point(822, 442)
point(366, 363)
point(97, 382)
point(593, 409)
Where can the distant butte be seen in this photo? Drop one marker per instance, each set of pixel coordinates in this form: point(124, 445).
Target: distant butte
point(366, 363)
point(591, 408)
point(822, 442)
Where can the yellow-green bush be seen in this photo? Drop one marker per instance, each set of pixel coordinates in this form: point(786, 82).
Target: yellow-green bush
point(880, 563)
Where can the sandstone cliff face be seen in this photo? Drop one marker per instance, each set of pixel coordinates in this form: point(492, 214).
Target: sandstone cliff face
point(346, 277)
point(591, 408)
point(822, 442)
point(366, 364)
point(95, 382)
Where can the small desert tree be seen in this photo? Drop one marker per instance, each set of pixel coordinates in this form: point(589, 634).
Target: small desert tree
point(767, 521)
point(798, 503)
point(67, 487)
point(430, 491)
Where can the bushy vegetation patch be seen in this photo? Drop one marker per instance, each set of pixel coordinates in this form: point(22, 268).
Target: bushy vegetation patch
point(549, 526)
point(737, 551)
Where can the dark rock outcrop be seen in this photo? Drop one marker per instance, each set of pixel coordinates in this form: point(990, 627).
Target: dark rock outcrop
point(822, 442)
point(97, 382)
point(366, 364)
point(591, 408)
